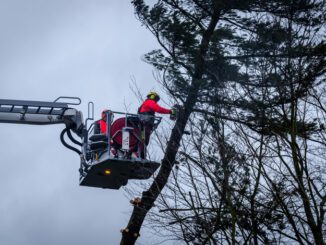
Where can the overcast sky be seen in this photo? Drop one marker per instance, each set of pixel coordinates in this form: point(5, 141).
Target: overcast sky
point(86, 48)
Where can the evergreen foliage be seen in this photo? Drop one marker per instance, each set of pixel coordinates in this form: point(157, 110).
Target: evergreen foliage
point(250, 77)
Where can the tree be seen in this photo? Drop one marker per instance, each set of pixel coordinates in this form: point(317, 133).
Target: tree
point(188, 50)
point(211, 61)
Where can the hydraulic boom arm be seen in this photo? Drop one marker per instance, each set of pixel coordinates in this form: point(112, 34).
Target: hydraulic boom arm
point(40, 113)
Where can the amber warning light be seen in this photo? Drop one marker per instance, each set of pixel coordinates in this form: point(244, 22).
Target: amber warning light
point(107, 171)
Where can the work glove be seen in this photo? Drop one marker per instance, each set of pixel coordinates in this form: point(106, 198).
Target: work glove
point(173, 115)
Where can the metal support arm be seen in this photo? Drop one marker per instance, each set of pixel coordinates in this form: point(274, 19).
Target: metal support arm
point(40, 113)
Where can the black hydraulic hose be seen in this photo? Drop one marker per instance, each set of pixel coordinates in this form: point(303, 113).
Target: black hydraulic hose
point(65, 143)
point(72, 138)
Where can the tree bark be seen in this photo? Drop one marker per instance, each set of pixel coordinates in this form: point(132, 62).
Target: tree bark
point(131, 233)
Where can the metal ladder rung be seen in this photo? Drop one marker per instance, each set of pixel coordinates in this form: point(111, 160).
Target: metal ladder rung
point(33, 107)
point(38, 109)
point(29, 110)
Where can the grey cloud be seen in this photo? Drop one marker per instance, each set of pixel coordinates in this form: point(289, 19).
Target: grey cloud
point(79, 48)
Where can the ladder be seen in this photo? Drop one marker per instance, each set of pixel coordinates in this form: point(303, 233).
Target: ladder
point(35, 112)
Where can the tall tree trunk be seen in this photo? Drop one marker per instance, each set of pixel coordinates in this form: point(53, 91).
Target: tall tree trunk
point(131, 233)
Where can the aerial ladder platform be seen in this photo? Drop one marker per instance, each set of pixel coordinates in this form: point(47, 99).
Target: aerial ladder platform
point(107, 160)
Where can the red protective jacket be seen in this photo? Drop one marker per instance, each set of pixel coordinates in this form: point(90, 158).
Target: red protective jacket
point(152, 106)
point(102, 126)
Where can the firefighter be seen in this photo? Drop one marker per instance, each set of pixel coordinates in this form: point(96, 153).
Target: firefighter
point(103, 121)
point(150, 106)
point(100, 125)
point(147, 112)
